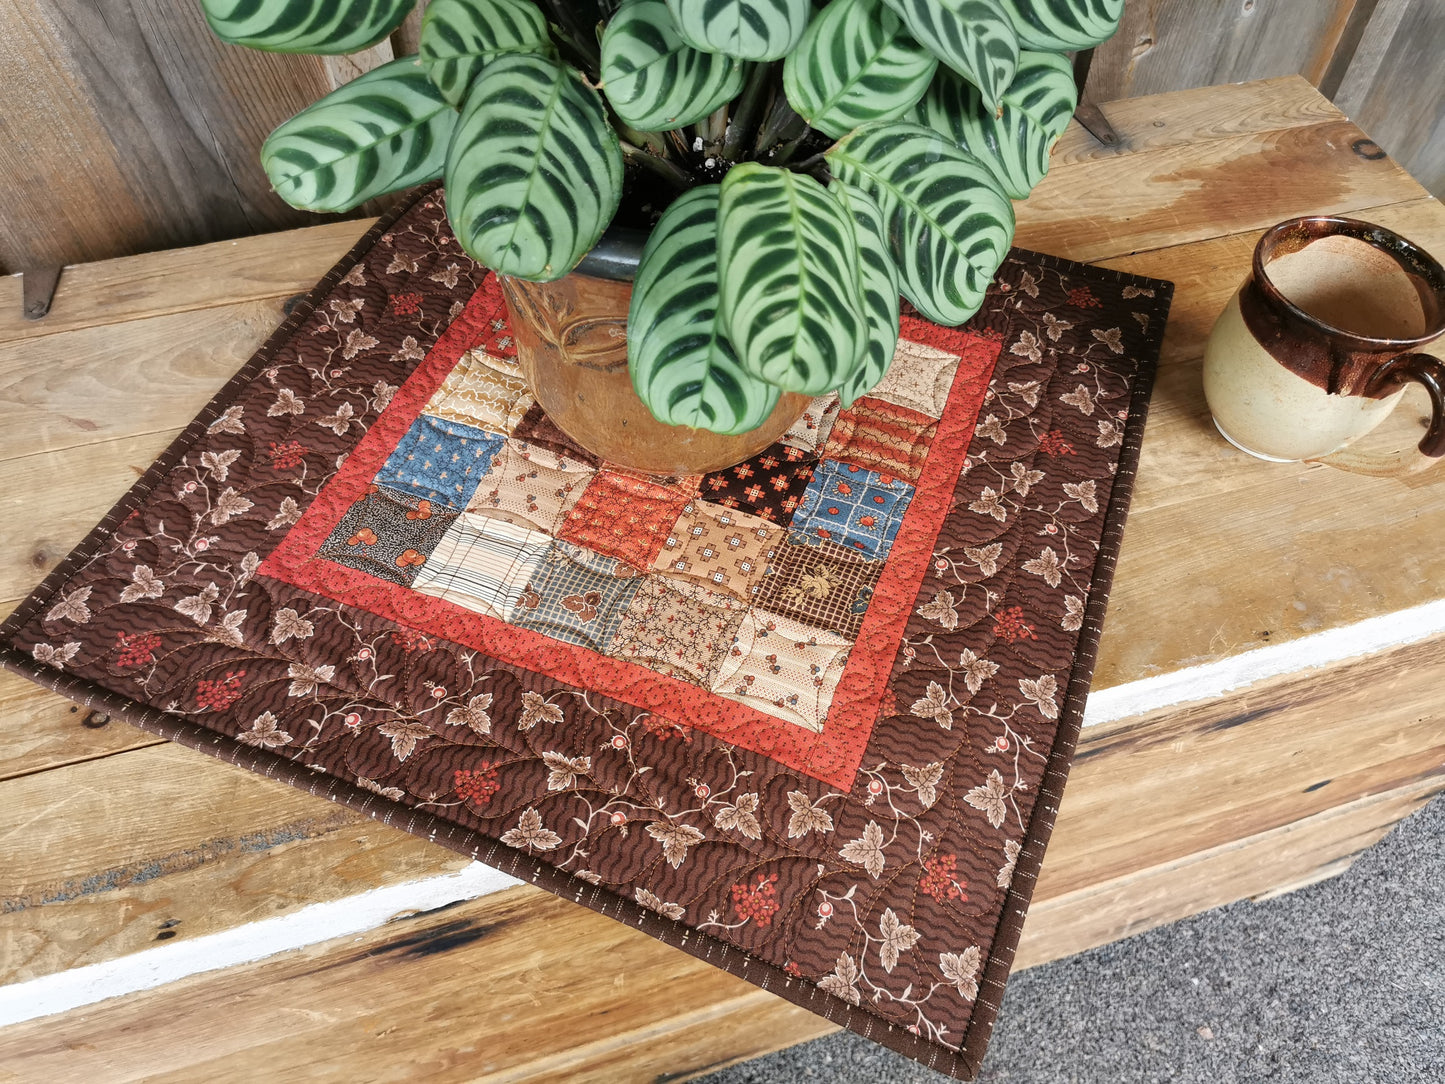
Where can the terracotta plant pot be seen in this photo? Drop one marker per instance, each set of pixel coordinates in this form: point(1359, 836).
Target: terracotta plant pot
point(572, 343)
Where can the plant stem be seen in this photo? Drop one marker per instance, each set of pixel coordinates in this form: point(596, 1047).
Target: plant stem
point(782, 124)
point(571, 26)
point(716, 129)
point(749, 105)
point(669, 171)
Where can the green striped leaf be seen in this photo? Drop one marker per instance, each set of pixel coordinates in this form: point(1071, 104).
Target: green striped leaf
point(1012, 143)
point(878, 285)
point(856, 63)
point(459, 38)
point(973, 37)
point(385, 130)
point(788, 259)
point(305, 26)
point(949, 223)
point(1044, 91)
point(655, 80)
point(746, 29)
point(682, 364)
point(1063, 25)
point(534, 172)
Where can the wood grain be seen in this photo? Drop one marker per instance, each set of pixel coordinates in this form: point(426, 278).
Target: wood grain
point(110, 292)
point(152, 123)
point(73, 390)
point(44, 731)
point(1392, 86)
point(1168, 45)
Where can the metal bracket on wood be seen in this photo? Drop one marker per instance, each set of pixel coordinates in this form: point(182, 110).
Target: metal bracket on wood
point(37, 289)
point(1088, 114)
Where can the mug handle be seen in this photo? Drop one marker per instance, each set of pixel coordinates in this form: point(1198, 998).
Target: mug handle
point(1429, 371)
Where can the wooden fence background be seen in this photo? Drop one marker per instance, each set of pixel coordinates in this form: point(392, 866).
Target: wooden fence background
point(128, 127)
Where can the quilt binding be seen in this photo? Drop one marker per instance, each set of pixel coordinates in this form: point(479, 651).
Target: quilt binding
point(963, 1064)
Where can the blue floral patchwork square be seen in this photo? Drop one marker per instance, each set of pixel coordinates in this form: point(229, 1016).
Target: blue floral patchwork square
point(578, 596)
point(855, 507)
point(440, 460)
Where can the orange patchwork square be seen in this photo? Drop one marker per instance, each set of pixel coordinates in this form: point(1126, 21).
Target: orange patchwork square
point(882, 436)
point(624, 517)
point(723, 548)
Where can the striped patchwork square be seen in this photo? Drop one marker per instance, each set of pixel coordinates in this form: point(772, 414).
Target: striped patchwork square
point(882, 436)
point(484, 564)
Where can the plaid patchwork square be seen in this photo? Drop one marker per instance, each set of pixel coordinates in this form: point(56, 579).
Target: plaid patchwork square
point(387, 534)
point(624, 516)
point(854, 507)
point(724, 549)
point(484, 564)
point(821, 584)
point(440, 461)
point(770, 485)
point(882, 436)
point(784, 668)
point(577, 596)
point(484, 391)
point(919, 378)
point(540, 431)
point(530, 486)
point(677, 628)
point(810, 432)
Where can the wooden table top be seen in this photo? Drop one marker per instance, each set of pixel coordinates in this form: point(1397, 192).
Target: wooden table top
point(1232, 570)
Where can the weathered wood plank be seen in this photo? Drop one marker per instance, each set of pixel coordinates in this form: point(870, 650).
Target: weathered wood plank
point(1155, 198)
point(507, 988)
point(55, 498)
point(152, 123)
point(1291, 856)
point(1166, 45)
point(112, 292)
point(94, 857)
point(1182, 780)
point(43, 730)
point(117, 383)
point(1392, 87)
point(1188, 117)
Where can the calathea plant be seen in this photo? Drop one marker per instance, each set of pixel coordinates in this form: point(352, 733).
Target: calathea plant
point(810, 162)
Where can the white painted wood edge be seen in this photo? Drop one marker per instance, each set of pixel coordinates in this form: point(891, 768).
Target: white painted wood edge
point(1213, 679)
point(358, 914)
point(149, 968)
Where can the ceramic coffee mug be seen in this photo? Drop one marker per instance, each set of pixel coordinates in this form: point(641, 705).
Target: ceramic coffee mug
point(1319, 343)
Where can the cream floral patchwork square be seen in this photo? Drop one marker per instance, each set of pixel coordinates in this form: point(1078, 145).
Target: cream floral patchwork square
point(722, 548)
point(677, 628)
point(783, 667)
point(810, 432)
point(484, 390)
point(531, 486)
point(919, 378)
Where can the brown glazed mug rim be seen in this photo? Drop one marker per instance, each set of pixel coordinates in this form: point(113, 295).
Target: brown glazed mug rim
point(1411, 258)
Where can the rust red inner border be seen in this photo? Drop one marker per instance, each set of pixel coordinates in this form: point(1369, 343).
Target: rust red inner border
point(832, 755)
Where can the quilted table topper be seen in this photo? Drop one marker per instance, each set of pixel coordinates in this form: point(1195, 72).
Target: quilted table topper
point(808, 718)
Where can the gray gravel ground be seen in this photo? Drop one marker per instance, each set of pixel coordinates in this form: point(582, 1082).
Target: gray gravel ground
point(1339, 983)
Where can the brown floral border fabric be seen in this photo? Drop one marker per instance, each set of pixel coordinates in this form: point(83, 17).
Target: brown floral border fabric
point(885, 892)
